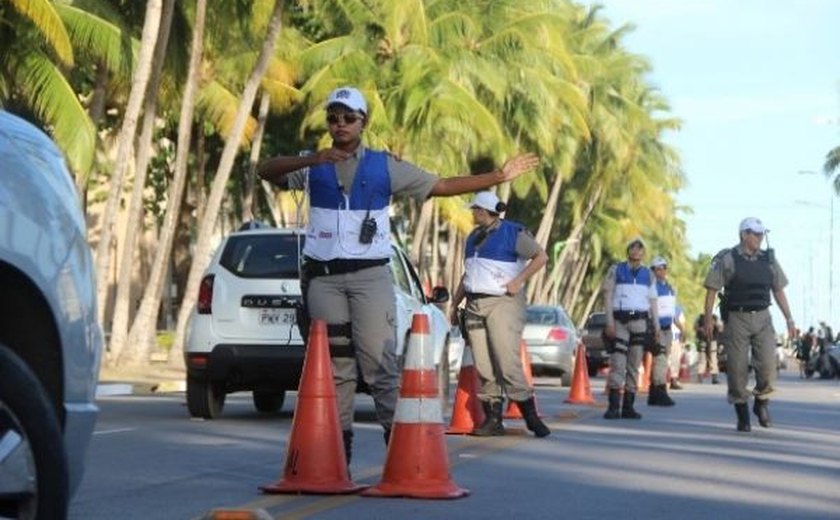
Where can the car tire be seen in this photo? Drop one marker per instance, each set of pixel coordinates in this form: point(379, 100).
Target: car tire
point(566, 379)
point(268, 401)
point(29, 426)
point(443, 373)
point(205, 399)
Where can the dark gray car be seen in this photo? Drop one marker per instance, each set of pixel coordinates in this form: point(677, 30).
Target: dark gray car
point(597, 356)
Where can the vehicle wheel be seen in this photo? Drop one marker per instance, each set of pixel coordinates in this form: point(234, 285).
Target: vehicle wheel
point(204, 399)
point(268, 401)
point(443, 373)
point(566, 379)
point(33, 463)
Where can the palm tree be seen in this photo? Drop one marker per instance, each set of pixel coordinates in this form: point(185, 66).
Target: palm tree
point(201, 256)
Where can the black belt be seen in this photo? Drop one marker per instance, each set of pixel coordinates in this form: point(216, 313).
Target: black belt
point(745, 308)
point(315, 268)
point(478, 295)
point(630, 315)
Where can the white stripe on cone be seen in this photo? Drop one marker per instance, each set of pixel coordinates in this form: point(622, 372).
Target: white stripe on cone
point(411, 410)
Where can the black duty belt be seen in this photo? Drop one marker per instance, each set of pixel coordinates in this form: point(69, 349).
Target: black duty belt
point(625, 316)
point(316, 268)
point(745, 308)
point(478, 295)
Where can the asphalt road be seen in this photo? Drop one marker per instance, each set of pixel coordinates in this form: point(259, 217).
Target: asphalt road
point(148, 460)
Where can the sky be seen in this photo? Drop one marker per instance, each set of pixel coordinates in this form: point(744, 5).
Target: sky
point(757, 86)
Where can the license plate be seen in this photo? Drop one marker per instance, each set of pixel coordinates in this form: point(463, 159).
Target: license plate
point(270, 317)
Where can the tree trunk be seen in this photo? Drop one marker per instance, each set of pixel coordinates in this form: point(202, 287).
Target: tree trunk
point(201, 256)
point(151, 26)
point(137, 353)
point(145, 322)
point(251, 175)
point(544, 232)
point(418, 243)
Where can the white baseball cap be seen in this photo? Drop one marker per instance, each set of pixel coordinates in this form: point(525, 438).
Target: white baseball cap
point(349, 97)
point(635, 241)
point(752, 224)
point(486, 200)
point(658, 261)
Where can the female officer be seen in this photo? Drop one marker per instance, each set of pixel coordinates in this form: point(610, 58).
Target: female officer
point(500, 257)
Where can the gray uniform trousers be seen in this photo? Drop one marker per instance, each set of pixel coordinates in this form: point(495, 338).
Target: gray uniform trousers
point(660, 362)
point(366, 300)
point(624, 368)
point(748, 333)
point(494, 325)
point(708, 357)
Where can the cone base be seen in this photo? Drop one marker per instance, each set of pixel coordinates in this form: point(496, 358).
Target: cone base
point(327, 488)
point(435, 490)
point(459, 430)
point(580, 400)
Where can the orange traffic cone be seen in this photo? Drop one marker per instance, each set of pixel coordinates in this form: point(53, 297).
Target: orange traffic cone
point(315, 461)
point(513, 411)
point(467, 413)
point(581, 391)
point(417, 464)
point(685, 370)
point(645, 372)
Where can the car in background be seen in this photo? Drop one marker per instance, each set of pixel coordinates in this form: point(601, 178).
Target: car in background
point(592, 336)
point(551, 341)
point(243, 333)
point(50, 337)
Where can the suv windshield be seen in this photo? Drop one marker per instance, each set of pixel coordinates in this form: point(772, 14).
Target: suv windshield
point(262, 256)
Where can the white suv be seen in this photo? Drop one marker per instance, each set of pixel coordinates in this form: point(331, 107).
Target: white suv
point(243, 333)
point(50, 340)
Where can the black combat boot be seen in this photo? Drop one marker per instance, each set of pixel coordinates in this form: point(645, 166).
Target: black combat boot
point(386, 434)
point(662, 397)
point(614, 409)
point(715, 379)
point(532, 419)
point(492, 425)
point(627, 411)
point(743, 417)
point(347, 436)
point(760, 410)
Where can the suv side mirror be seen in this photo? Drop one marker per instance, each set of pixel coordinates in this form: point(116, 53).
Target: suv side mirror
point(440, 294)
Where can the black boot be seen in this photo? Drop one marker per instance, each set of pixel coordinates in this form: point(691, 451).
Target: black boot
point(675, 384)
point(347, 436)
point(492, 425)
point(743, 417)
point(614, 409)
point(532, 419)
point(627, 411)
point(662, 397)
point(386, 434)
point(715, 379)
point(761, 411)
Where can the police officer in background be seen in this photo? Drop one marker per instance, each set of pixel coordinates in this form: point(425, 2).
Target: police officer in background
point(348, 245)
point(666, 307)
point(630, 302)
point(707, 348)
point(499, 258)
point(748, 275)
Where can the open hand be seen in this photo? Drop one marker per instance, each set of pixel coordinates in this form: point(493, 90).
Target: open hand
point(518, 165)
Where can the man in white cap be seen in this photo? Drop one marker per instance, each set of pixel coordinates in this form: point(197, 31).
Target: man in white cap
point(630, 304)
point(500, 256)
point(748, 275)
point(346, 280)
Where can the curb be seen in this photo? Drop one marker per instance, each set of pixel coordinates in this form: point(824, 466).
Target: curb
point(162, 387)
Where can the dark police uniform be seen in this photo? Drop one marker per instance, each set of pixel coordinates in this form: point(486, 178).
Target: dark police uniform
point(747, 282)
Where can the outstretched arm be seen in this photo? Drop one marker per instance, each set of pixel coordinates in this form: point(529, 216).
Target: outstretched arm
point(274, 169)
point(512, 169)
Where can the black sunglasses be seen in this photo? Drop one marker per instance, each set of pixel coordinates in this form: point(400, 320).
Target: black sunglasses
point(348, 119)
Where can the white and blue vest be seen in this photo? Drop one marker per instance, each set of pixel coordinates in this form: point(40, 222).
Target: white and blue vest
point(666, 302)
point(632, 288)
point(335, 218)
point(494, 263)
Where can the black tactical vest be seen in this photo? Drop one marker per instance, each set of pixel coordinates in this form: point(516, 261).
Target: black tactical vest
point(749, 288)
